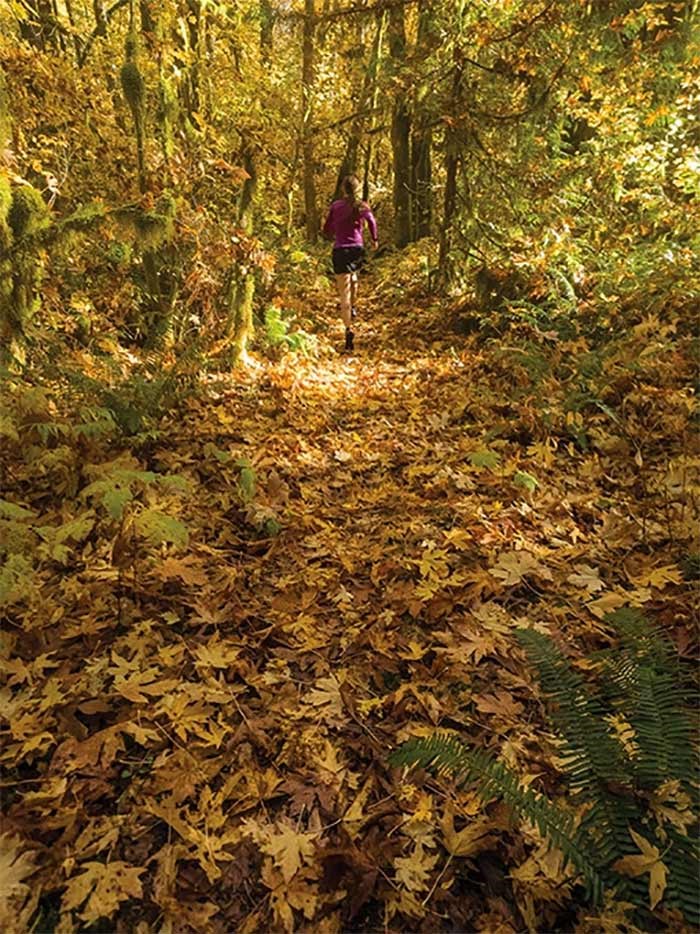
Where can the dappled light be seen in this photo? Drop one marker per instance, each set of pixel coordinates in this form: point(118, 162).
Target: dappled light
point(349, 585)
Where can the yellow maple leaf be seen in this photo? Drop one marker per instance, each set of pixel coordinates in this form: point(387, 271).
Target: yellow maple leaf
point(216, 654)
point(16, 866)
point(288, 849)
point(587, 578)
point(512, 566)
point(103, 886)
point(413, 872)
point(649, 860)
point(470, 840)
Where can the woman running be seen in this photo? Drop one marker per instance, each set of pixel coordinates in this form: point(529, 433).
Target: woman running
point(344, 226)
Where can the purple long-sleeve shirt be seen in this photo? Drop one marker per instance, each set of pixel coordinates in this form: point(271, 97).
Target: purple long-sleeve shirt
point(342, 224)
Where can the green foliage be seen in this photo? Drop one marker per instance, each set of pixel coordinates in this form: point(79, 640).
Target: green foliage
point(277, 332)
point(16, 579)
point(13, 511)
point(485, 459)
point(525, 480)
point(160, 528)
point(246, 481)
point(118, 486)
point(447, 755)
point(615, 782)
point(28, 213)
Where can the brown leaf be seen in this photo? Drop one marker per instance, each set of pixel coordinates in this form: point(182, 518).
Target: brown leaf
point(105, 886)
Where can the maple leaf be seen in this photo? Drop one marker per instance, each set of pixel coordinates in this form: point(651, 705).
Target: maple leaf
point(649, 860)
point(299, 893)
point(513, 566)
point(500, 703)
point(216, 654)
point(289, 849)
point(327, 695)
point(187, 569)
point(587, 578)
point(413, 871)
point(472, 839)
point(16, 866)
point(105, 886)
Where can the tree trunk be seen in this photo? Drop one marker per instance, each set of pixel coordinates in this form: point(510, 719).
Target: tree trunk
point(40, 27)
point(446, 270)
point(445, 261)
point(367, 101)
point(239, 325)
point(308, 76)
point(267, 22)
point(421, 145)
point(400, 133)
point(98, 7)
point(421, 154)
point(148, 21)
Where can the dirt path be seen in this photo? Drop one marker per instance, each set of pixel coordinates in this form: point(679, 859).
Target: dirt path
point(365, 532)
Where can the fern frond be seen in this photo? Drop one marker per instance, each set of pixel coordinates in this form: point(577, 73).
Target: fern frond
point(447, 755)
point(646, 681)
point(595, 756)
point(682, 859)
point(594, 759)
point(663, 732)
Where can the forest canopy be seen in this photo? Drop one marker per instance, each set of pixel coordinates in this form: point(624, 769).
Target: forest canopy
point(395, 638)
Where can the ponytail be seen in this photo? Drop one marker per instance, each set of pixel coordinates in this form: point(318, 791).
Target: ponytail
point(352, 192)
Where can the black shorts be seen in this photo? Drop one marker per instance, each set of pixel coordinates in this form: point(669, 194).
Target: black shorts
point(348, 259)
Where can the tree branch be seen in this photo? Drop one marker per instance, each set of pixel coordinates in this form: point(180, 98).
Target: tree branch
point(97, 31)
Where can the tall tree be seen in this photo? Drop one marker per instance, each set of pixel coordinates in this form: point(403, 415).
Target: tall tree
point(307, 103)
point(366, 106)
point(400, 129)
point(422, 137)
point(453, 155)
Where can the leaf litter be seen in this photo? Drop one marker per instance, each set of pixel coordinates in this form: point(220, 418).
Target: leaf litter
point(198, 707)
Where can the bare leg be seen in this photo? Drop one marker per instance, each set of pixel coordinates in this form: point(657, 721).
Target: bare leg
point(344, 287)
point(354, 285)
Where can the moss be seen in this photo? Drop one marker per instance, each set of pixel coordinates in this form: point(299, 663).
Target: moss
point(28, 213)
point(5, 204)
point(167, 114)
point(156, 227)
point(84, 218)
point(5, 119)
point(134, 87)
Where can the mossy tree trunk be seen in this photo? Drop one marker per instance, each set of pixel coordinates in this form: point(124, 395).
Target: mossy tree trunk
point(367, 102)
point(453, 156)
point(239, 325)
point(307, 142)
point(422, 141)
point(24, 217)
point(400, 133)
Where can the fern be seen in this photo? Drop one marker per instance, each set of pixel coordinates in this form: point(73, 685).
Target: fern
point(647, 685)
point(642, 681)
point(447, 754)
point(682, 858)
point(594, 759)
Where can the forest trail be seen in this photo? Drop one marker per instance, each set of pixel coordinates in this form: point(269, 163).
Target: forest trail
point(365, 533)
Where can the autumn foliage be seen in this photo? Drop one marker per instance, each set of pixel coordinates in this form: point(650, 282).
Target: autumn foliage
point(402, 640)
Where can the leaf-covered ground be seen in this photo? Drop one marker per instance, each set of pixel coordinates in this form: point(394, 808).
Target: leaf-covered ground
point(197, 733)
